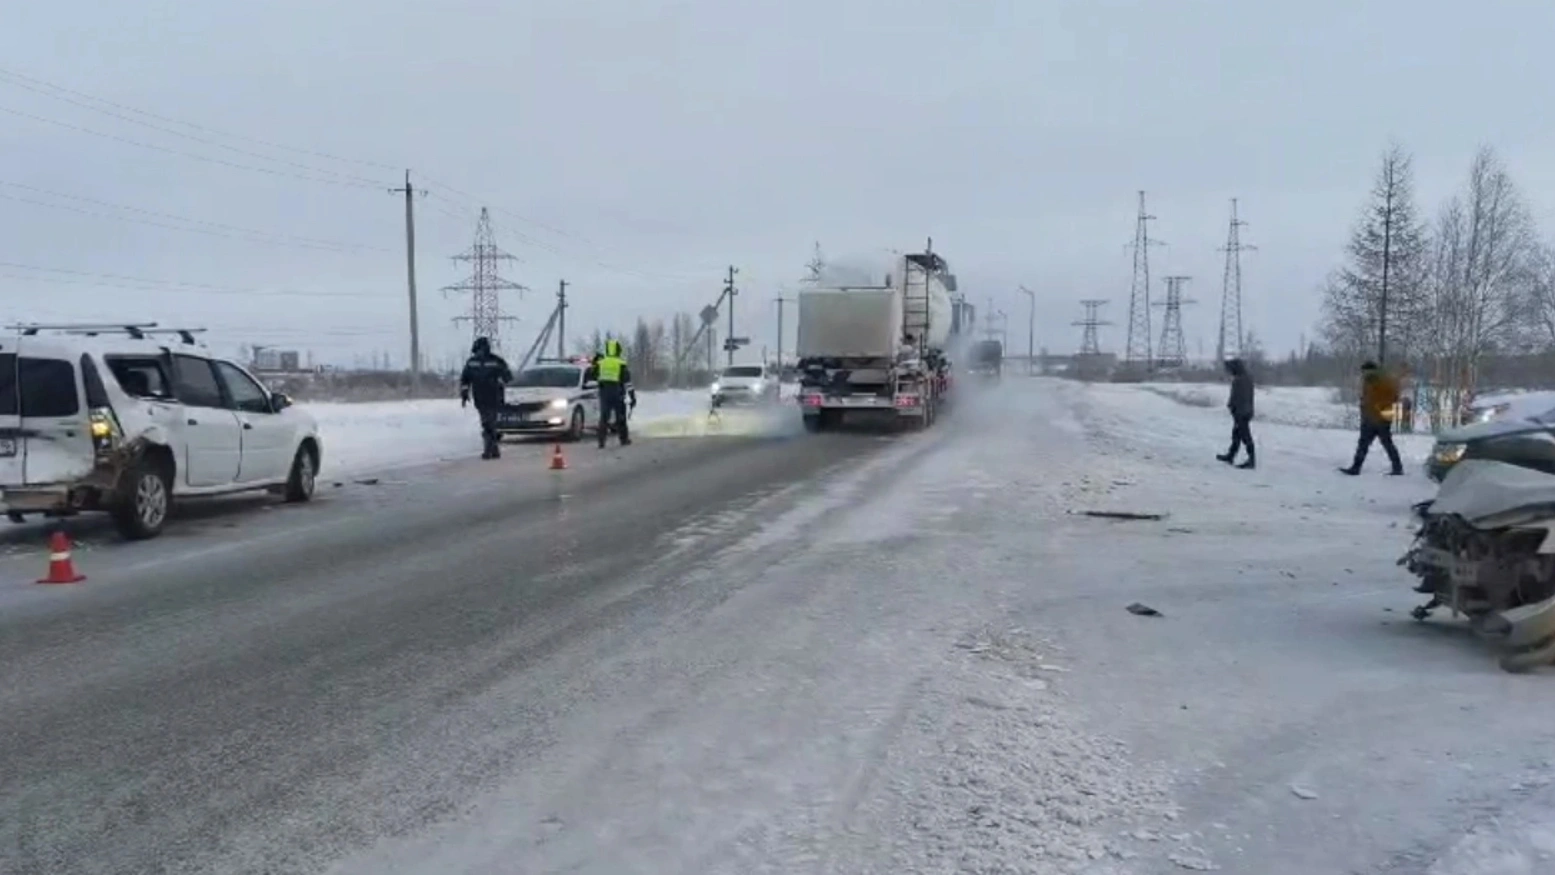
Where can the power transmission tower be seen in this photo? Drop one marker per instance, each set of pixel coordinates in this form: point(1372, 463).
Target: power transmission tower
point(1230, 342)
point(1137, 348)
point(485, 284)
point(1089, 343)
point(410, 276)
point(815, 266)
point(1173, 351)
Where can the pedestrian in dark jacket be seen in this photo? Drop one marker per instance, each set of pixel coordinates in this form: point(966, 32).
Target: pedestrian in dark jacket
point(484, 377)
point(1241, 407)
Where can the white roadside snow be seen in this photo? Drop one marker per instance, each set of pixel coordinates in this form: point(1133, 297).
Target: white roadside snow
point(362, 438)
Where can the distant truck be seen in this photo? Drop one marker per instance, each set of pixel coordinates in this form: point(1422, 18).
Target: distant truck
point(987, 358)
point(879, 347)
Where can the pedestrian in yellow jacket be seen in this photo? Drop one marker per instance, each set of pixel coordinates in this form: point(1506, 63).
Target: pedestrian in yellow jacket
point(1379, 398)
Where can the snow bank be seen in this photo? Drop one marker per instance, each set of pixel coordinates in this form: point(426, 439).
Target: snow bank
point(359, 438)
point(1306, 406)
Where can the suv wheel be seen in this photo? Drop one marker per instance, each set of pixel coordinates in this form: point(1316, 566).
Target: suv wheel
point(304, 477)
point(575, 429)
point(141, 508)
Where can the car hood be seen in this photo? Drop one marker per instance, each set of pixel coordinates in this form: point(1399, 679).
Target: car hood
point(1477, 489)
point(520, 394)
point(1493, 429)
point(739, 382)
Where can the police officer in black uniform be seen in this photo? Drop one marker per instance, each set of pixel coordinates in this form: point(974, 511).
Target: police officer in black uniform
point(615, 388)
point(485, 375)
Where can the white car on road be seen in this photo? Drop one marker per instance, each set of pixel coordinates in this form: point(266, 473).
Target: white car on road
point(128, 418)
point(553, 399)
point(745, 384)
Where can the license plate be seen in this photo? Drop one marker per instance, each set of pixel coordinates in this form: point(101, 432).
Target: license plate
point(1465, 572)
point(7, 446)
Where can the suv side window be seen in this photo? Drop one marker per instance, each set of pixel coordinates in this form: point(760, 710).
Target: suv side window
point(140, 376)
point(246, 394)
point(195, 382)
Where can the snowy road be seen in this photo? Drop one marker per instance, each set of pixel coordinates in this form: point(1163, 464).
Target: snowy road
point(825, 653)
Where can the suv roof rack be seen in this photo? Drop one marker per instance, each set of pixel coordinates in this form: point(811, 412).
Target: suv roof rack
point(136, 330)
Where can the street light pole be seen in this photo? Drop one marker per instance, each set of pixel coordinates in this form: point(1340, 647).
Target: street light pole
point(1031, 331)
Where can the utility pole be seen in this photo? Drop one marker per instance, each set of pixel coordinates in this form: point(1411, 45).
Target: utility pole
point(1031, 330)
point(410, 278)
point(731, 292)
point(780, 302)
point(1137, 347)
point(561, 319)
point(1230, 343)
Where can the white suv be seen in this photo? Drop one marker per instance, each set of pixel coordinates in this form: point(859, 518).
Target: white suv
point(745, 384)
point(126, 418)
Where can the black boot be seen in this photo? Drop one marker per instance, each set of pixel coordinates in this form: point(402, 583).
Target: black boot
point(1224, 457)
point(1352, 471)
point(1249, 465)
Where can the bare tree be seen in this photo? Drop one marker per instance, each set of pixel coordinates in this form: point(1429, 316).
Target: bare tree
point(1376, 302)
point(1542, 294)
point(1484, 278)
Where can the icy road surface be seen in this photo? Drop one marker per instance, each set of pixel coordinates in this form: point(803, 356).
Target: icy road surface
point(816, 653)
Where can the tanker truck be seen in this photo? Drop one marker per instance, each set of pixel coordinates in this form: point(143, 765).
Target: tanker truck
point(879, 346)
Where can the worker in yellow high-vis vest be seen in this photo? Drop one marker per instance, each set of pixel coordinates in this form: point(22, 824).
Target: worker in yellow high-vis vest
point(616, 392)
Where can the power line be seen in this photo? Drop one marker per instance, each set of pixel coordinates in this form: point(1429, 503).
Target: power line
point(32, 81)
point(144, 284)
point(217, 229)
point(46, 88)
point(166, 130)
point(350, 183)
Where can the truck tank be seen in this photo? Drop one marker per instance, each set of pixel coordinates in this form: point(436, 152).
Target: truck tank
point(924, 294)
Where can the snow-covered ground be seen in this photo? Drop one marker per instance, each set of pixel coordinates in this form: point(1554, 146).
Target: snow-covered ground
point(1312, 406)
point(367, 437)
point(925, 664)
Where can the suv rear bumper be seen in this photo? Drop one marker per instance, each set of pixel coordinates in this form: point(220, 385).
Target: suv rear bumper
point(49, 498)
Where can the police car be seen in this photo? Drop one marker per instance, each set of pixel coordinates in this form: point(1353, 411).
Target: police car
point(550, 399)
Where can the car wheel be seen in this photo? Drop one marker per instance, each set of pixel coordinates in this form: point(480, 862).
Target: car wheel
point(145, 499)
point(575, 428)
point(304, 476)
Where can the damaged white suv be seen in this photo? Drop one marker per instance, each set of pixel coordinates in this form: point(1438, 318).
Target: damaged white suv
point(126, 418)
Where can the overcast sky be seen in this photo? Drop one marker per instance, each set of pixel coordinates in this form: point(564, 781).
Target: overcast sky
point(637, 147)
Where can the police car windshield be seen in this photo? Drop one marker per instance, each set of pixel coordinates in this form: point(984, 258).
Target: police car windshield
point(548, 378)
point(743, 371)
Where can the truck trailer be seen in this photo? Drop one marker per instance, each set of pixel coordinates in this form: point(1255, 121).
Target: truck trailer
point(880, 348)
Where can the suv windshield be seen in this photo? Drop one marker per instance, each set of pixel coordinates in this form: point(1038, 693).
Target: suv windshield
point(743, 371)
point(547, 378)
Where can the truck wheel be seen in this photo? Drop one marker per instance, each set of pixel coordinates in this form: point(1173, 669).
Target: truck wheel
point(814, 423)
point(145, 497)
point(304, 477)
point(575, 428)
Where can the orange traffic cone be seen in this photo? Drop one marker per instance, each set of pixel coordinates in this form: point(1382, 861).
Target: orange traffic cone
point(558, 461)
point(61, 569)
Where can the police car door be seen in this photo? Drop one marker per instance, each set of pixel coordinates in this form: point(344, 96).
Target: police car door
point(588, 394)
